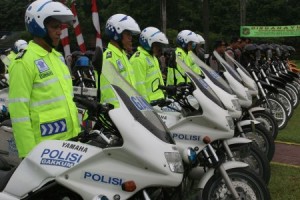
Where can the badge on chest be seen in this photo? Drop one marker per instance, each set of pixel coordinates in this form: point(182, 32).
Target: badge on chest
point(43, 68)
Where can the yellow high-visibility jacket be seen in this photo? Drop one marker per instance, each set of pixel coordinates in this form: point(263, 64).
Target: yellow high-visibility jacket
point(146, 70)
point(41, 102)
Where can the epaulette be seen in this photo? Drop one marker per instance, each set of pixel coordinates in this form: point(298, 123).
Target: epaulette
point(20, 54)
point(108, 54)
point(137, 54)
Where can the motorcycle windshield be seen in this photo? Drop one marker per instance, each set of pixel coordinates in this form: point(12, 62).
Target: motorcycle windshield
point(200, 83)
point(237, 64)
point(136, 104)
point(227, 67)
point(212, 74)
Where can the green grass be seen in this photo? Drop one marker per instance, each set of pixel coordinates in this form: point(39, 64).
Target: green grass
point(285, 182)
point(291, 133)
point(297, 62)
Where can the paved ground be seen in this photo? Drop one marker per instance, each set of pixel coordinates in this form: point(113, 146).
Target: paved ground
point(287, 153)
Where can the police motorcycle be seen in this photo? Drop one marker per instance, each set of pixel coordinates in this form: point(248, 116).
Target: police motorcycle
point(189, 124)
point(129, 161)
point(245, 127)
point(209, 161)
point(262, 71)
point(266, 97)
point(241, 84)
point(279, 68)
point(201, 163)
point(189, 129)
point(278, 72)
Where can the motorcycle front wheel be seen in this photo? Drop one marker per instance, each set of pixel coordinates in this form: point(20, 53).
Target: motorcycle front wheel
point(246, 183)
point(278, 111)
point(262, 138)
point(255, 158)
point(267, 120)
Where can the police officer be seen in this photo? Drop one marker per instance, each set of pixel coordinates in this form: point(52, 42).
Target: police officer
point(41, 93)
point(146, 65)
point(119, 29)
point(186, 41)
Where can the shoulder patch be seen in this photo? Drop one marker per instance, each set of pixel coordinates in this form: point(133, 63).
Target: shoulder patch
point(108, 54)
point(137, 54)
point(20, 54)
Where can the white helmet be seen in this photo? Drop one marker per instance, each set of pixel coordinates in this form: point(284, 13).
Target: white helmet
point(39, 10)
point(150, 35)
point(20, 45)
point(201, 39)
point(186, 36)
point(118, 23)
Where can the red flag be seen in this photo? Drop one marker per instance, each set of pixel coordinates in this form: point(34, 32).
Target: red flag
point(96, 23)
point(77, 29)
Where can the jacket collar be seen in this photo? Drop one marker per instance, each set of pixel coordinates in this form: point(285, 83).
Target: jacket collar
point(116, 50)
point(40, 50)
point(142, 50)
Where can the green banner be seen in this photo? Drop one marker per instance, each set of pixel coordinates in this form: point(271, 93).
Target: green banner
point(270, 31)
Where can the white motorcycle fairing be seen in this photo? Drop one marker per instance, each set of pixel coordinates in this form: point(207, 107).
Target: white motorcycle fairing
point(212, 120)
point(144, 157)
point(220, 87)
point(234, 80)
point(246, 77)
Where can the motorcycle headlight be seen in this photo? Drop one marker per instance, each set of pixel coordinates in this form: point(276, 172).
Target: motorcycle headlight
point(230, 122)
point(236, 104)
point(174, 161)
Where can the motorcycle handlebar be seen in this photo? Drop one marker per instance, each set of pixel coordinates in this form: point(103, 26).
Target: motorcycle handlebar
point(90, 105)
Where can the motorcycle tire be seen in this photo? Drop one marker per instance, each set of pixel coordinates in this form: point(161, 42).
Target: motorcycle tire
point(267, 120)
point(294, 95)
point(278, 111)
point(262, 139)
point(255, 158)
point(246, 183)
point(286, 103)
